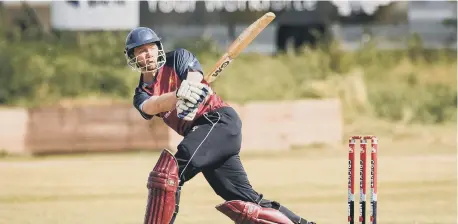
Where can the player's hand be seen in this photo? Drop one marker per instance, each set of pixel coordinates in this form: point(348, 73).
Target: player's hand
point(186, 110)
point(194, 92)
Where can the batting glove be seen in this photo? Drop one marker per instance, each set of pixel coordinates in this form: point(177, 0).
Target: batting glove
point(194, 92)
point(186, 110)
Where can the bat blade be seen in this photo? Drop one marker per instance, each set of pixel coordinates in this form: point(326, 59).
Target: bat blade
point(242, 41)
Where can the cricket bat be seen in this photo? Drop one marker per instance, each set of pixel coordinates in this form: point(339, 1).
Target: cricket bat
point(239, 45)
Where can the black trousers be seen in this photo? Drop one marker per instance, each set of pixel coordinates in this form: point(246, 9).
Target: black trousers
point(212, 147)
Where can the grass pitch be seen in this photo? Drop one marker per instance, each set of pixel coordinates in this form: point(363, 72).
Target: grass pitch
point(417, 184)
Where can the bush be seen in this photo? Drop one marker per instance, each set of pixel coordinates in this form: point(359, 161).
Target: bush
point(413, 85)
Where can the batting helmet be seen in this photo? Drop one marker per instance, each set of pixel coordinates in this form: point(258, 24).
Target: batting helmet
point(138, 37)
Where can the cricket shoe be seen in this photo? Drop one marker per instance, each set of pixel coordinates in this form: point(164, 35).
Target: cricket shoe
point(303, 221)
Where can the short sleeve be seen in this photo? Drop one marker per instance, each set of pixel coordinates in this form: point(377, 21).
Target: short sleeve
point(139, 98)
point(185, 61)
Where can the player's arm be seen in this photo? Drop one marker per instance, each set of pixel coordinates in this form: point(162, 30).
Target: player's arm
point(187, 66)
point(158, 104)
point(194, 76)
point(190, 72)
point(148, 106)
point(192, 90)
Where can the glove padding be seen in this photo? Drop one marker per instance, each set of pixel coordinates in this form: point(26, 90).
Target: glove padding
point(186, 110)
point(194, 92)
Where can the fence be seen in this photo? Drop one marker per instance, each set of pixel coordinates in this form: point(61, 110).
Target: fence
point(119, 127)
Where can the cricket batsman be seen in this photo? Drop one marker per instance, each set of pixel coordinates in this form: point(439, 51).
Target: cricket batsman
point(172, 87)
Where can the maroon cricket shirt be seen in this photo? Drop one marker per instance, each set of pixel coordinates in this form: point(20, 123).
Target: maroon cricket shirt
point(168, 79)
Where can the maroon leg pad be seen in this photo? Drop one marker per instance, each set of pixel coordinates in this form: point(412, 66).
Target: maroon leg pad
point(162, 187)
point(250, 213)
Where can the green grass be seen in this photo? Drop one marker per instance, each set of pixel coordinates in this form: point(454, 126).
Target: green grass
point(417, 182)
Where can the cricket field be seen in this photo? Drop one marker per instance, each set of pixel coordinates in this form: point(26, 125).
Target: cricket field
point(416, 171)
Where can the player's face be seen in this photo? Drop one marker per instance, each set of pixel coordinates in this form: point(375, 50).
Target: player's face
point(146, 56)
